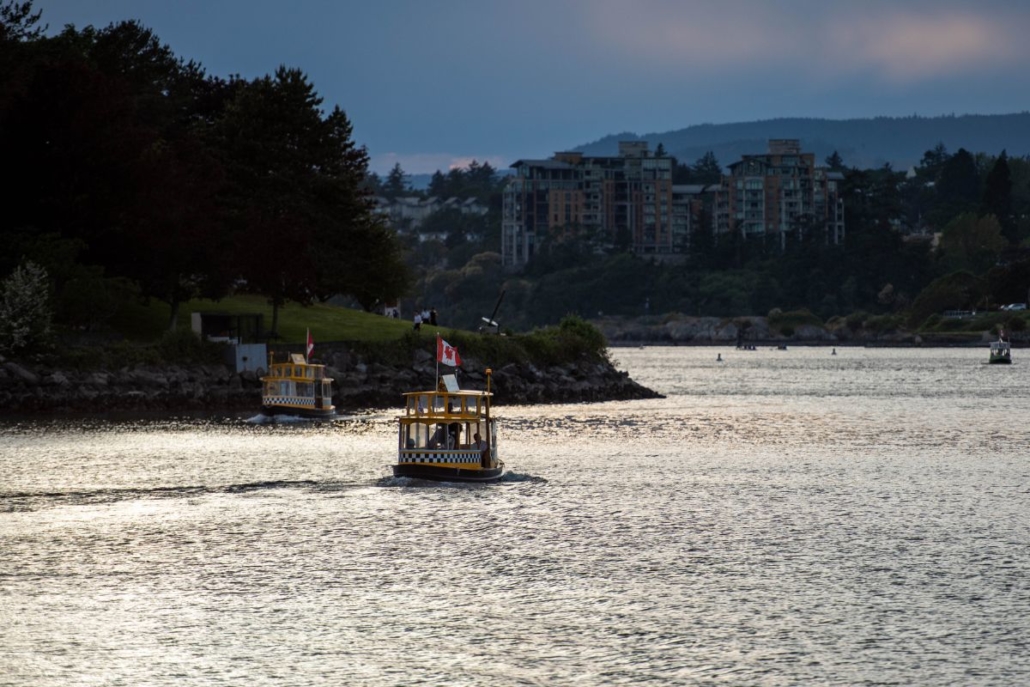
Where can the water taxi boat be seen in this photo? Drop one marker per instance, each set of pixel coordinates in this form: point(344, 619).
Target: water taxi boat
point(1001, 353)
point(448, 435)
point(296, 387)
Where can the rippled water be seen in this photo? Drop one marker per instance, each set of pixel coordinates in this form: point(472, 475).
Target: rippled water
point(780, 518)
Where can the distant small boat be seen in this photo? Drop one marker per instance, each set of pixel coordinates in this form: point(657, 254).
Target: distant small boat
point(448, 435)
point(1001, 353)
point(296, 387)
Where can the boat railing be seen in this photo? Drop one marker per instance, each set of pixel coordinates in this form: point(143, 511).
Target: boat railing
point(444, 406)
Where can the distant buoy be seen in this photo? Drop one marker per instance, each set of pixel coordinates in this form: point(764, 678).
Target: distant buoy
point(834, 352)
point(718, 357)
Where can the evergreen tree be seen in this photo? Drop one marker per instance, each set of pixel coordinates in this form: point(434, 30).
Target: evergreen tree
point(957, 188)
point(997, 196)
point(707, 170)
point(396, 182)
point(438, 184)
point(835, 162)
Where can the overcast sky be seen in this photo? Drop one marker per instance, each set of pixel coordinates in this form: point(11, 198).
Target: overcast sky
point(436, 83)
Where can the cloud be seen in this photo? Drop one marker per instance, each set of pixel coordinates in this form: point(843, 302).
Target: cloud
point(905, 48)
point(893, 43)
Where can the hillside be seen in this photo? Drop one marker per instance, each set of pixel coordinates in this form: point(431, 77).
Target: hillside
point(862, 143)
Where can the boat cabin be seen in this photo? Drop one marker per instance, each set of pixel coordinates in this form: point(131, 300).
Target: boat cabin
point(448, 433)
point(1001, 352)
point(295, 385)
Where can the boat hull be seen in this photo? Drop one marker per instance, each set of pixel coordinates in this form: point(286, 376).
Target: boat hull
point(1000, 361)
point(447, 474)
point(310, 413)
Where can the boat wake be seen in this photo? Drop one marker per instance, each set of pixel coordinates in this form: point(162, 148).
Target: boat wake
point(520, 477)
point(262, 419)
point(31, 501)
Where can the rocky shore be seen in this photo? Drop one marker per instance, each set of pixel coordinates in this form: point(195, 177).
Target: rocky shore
point(33, 387)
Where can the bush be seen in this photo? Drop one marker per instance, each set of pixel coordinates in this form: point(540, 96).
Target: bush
point(788, 322)
point(883, 323)
point(856, 320)
point(25, 310)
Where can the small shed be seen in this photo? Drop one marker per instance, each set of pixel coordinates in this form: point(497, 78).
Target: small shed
point(234, 328)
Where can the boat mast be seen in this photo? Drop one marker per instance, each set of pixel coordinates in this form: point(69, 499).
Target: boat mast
point(486, 400)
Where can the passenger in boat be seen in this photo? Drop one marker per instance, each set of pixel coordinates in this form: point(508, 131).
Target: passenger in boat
point(439, 437)
point(478, 443)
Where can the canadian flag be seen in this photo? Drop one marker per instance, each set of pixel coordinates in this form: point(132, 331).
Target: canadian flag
point(310, 346)
point(446, 353)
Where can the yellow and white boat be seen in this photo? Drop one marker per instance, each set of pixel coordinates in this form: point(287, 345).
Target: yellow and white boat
point(296, 387)
point(448, 435)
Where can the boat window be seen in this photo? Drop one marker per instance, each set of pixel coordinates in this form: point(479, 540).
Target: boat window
point(270, 388)
point(310, 374)
point(418, 434)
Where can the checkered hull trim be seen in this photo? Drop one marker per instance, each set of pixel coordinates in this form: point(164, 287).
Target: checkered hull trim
point(416, 457)
point(293, 401)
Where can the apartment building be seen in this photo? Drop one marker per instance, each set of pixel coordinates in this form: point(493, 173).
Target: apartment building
point(783, 191)
point(627, 197)
point(630, 198)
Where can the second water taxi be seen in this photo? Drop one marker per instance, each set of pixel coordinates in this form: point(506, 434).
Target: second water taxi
point(296, 387)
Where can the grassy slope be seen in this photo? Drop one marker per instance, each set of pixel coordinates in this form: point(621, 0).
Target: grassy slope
point(327, 322)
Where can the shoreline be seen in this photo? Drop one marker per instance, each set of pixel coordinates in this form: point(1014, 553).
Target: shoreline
point(27, 388)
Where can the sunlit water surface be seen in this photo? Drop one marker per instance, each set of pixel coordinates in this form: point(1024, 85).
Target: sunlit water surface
point(780, 518)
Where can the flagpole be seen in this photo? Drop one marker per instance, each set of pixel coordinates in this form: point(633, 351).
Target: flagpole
point(437, 361)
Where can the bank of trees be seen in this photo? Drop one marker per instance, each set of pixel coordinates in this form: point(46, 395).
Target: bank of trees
point(957, 218)
point(133, 173)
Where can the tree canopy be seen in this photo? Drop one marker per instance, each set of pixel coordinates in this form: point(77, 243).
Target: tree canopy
point(182, 183)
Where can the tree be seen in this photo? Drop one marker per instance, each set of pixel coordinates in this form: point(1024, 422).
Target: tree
point(396, 184)
point(438, 184)
point(997, 196)
point(957, 188)
point(972, 243)
point(707, 170)
point(835, 162)
point(18, 23)
point(272, 147)
point(958, 290)
point(25, 309)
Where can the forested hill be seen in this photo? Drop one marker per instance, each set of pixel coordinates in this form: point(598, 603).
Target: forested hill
point(861, 143)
